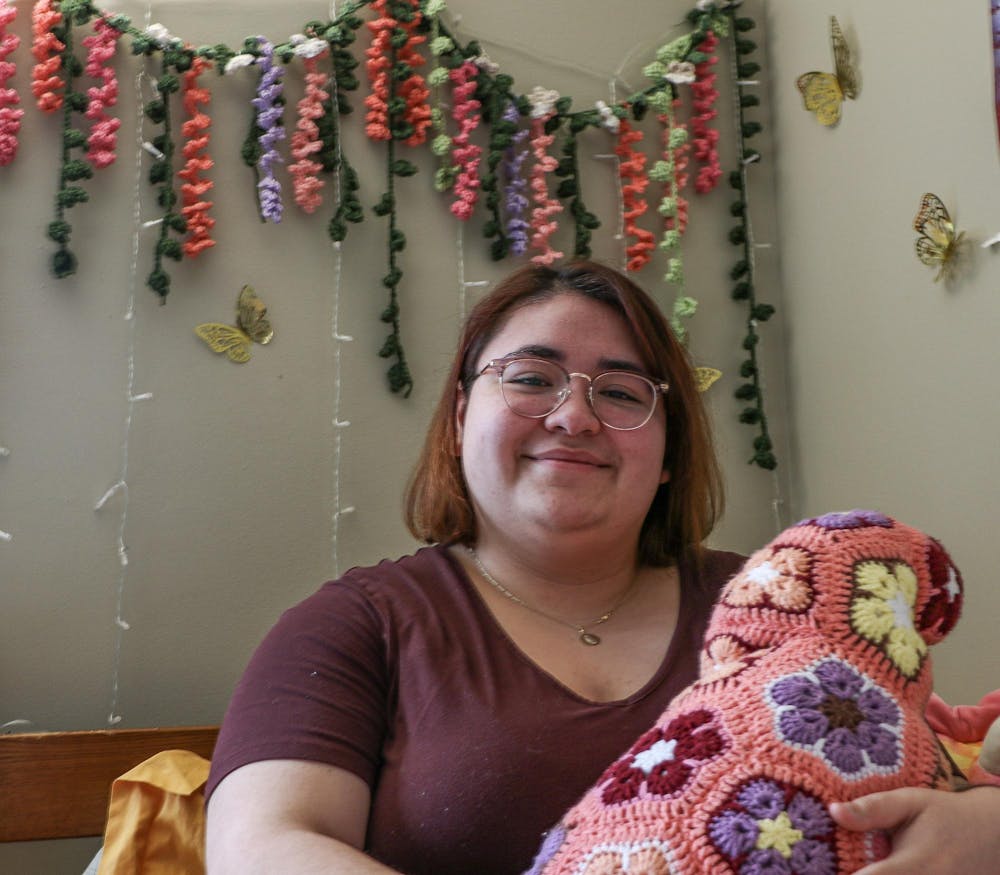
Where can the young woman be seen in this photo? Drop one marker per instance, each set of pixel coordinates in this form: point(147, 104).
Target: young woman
point(438, 713)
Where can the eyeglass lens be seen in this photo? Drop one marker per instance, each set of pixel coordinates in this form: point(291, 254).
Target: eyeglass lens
point(535, 387)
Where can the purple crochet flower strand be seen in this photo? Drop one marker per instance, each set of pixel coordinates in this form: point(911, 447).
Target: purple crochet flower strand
point(269, 111)
point(516, 201)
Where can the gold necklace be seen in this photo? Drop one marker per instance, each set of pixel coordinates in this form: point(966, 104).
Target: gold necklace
point(587, 637)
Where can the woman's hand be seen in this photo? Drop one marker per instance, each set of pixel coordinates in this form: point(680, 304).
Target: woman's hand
point(933, 832)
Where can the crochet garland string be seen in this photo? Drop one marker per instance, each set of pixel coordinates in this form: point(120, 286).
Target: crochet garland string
point(523, 133)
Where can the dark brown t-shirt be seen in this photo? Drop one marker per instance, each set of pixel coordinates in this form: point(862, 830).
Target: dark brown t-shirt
point(400, 674)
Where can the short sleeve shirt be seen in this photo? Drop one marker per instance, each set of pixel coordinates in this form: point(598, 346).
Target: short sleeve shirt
point(400, 674)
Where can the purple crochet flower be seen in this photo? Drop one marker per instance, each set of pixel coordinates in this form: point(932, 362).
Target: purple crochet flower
point(849, 519)
point(516, 201)
point(269, 112)
point(839, 715)
point(770, 828)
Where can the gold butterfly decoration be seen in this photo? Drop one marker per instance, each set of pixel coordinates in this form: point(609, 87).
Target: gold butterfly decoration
point(824, 93)
point(704, 377)
point(251, 326)
point(937, 244)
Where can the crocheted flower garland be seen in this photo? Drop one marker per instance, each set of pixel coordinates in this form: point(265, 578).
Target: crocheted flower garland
point(532, 141)
point(10, 112)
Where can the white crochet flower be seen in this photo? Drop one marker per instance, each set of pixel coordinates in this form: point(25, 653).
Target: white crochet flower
point(159, 35)
point(486, 63)
point(680, 72)
point(238, 62)
point(543, 101)
point(609, 121)
point(309, 48)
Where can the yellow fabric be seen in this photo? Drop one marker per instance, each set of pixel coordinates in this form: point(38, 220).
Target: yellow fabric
point(156, 818)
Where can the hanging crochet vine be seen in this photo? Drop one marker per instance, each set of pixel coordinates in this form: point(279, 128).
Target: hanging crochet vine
point(526, 181)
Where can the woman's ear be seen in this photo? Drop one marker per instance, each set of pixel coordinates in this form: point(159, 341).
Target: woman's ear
point(664, 476)
point(461, 402)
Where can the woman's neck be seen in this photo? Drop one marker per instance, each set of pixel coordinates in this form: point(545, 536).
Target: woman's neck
point(561, 574)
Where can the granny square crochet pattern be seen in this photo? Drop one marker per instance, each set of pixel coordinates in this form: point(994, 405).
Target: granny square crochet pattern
point(813, 683)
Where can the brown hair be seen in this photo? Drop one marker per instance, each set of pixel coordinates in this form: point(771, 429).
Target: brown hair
point(684, 510)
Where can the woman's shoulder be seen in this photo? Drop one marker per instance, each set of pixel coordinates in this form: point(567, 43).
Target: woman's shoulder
point(720, 565)
point(426, 579)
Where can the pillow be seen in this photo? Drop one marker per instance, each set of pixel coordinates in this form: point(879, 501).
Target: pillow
point(813, 683)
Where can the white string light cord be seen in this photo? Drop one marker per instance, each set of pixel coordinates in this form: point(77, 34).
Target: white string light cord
point(132, 398)
point(777, 499)
point(338, 340)
point(5, 537)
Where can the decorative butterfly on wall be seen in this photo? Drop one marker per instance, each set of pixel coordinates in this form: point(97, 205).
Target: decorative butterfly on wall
point(251, 326)
point(824, 93)
point(705, 377)
point(937, 244)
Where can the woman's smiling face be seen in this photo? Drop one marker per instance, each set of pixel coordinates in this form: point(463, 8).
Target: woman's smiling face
point(565, 472)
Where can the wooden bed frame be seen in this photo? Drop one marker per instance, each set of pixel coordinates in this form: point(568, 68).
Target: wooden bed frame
point(57, 784)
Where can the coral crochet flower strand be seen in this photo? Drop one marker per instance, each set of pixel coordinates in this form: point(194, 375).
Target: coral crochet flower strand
point(103, 138)
point(10, 112)
point(706, 138)
point(196, 137)
point(465, 154)
point(306, 142)
point(46, 84)
point(412, 90)
point(632, 170)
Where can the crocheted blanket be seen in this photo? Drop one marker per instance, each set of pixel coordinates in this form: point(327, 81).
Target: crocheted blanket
point(813, 683)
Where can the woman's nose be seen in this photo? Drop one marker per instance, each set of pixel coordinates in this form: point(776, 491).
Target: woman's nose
point(574, 415)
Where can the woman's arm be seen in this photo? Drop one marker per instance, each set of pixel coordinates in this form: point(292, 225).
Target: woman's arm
point(289, 816)
point(933, 832)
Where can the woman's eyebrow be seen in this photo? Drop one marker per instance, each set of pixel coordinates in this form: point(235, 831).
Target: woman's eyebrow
point(620, 365)
point(536, 351)
point(539, 351)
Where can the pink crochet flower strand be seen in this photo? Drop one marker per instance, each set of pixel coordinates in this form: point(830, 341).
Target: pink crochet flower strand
point(103, 138)
point(706, 138)
point(10, 112)
point(543, 221)
point(465, 154)
point(306, 141)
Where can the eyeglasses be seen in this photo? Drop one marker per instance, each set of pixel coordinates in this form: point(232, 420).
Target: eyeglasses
point(535, 388)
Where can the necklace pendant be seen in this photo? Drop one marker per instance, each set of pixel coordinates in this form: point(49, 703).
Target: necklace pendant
point(589, 638)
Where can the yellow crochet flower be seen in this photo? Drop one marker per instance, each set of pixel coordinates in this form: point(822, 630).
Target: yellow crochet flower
point(883, 612)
